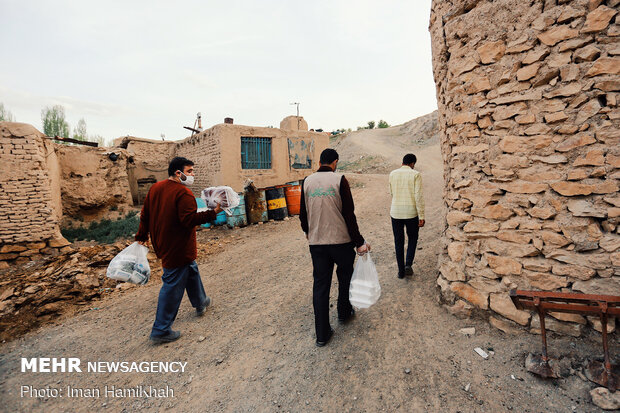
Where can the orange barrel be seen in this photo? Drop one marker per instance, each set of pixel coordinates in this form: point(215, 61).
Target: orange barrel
point(293, 198)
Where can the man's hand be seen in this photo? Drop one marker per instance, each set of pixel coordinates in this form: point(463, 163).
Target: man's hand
point(363, 249)
point(421, 223)
point(218, 208)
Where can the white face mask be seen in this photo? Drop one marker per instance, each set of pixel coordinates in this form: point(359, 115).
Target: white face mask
point(187, 180)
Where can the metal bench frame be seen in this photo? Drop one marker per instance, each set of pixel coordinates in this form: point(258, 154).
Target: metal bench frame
point(605, 373)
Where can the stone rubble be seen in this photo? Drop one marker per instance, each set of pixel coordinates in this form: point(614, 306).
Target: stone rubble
point(39, 292)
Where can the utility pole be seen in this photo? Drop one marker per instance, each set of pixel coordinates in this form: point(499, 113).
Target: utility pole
point(298, 120)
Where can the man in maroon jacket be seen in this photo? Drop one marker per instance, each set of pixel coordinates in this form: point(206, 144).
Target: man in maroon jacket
point(170, 215)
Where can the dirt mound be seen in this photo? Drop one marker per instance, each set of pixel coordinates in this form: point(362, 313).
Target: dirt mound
point(381, 150)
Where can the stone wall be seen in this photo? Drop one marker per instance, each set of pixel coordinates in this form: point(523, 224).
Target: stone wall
point(528, 110)
point(28, 214)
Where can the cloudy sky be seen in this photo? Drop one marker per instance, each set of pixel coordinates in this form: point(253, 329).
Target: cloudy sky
point(145, 68)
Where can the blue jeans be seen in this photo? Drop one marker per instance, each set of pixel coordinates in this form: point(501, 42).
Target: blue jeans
point(175, 282)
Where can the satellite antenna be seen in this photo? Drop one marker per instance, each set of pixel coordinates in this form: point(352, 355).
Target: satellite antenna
point(197, 125)
point(198, 122)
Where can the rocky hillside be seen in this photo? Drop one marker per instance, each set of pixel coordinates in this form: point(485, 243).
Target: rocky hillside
point(381, 150)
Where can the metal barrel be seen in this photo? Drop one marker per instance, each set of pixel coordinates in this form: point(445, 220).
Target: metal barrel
point(238, 217)
point(256, 206)
point(202, 206)
point(220, 219)
point(293, 198)
point(276, 203)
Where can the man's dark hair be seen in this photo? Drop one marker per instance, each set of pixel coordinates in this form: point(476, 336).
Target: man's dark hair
point(328, 156)
point(409, 159)
point(178, 164)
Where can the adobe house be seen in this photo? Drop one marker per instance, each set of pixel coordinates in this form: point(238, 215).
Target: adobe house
point(64, 181)
point(229, 154)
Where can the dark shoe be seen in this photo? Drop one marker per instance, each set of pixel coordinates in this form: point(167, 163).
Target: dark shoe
point(408, 270)
point(323, 343)
point(401, 275)
point(201, 310)
point(168, 338)
point(347, 318)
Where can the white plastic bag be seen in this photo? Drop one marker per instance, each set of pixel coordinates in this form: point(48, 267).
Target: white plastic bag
point(130, 265)
point(365, 289)
point(223, 195)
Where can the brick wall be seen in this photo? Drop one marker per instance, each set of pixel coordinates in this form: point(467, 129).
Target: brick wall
point(28, 219)
point(205, 150)
point(528, 109)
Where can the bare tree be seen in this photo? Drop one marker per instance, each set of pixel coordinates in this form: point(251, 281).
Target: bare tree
point(79, 132)
point(99, 139)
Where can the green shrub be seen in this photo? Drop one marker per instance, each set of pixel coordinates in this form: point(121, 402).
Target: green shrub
point(104, 231)
point(383, 124)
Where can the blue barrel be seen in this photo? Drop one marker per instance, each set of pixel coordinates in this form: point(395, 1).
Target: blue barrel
point(220, 219)
point(238, 218)
point(202, 206)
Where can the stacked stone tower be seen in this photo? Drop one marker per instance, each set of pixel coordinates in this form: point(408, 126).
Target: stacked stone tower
point(528, 96)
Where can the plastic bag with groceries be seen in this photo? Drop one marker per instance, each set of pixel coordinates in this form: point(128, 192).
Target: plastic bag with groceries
point(225, 196)
point(130, 265)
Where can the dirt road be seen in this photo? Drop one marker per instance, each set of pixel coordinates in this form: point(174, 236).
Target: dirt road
point(254, 349)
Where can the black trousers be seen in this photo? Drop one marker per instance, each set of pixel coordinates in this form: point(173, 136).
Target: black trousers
point(398, 228)
point(323, 259)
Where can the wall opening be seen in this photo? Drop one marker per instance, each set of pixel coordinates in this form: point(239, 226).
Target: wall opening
point(255, 153)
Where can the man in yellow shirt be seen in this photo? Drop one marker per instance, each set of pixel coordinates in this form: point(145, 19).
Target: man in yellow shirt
point(407, 211)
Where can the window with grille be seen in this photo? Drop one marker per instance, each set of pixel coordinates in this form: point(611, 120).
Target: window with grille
point(255, 153)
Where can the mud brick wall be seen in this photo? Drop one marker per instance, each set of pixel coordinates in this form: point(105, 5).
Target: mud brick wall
point(28, 214)
point(205, 150)
point(147, 163)
point(528, 96)
point(91, 183)
point(151, 158)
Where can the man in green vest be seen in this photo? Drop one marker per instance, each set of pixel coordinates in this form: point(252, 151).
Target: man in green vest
point(327, 216)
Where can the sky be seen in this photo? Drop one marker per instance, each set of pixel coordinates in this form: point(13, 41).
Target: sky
point(146, 68)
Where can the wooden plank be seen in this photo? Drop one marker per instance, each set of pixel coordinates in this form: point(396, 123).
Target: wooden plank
point(87, 143)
